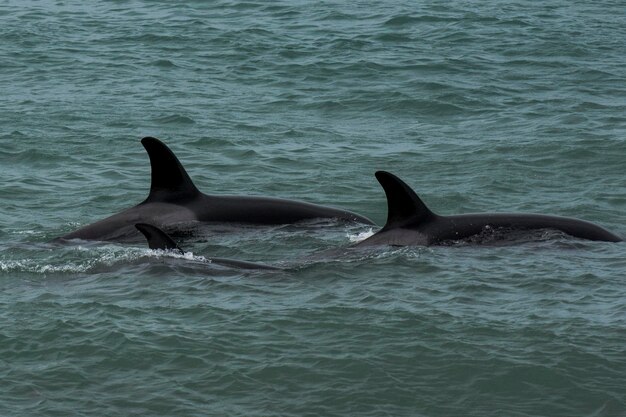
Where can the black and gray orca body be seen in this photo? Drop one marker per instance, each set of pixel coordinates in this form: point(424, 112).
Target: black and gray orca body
point(410, 222)
point(158, 239)
point(175, 200)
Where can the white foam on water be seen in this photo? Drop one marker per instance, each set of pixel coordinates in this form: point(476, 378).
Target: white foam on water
point(361, 236)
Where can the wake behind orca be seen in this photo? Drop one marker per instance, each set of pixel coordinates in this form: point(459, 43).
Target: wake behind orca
point(411, 223)
point(175, 200)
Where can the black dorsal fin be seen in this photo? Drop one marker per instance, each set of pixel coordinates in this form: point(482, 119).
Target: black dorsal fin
point(157, 238)
point(404, 207)
point(169, 180)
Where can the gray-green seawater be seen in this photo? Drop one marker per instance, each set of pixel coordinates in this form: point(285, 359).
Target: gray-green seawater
point(480, 106)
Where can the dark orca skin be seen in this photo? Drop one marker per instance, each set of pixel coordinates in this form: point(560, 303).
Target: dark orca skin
point(174, 199)
point(411, 223)
point(158, 239)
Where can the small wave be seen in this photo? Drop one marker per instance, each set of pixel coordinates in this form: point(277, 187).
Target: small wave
point(164, 63)
point(175, 119)
point(26, 232)
point(404, 20)
point(32, 266)
point(13, 135)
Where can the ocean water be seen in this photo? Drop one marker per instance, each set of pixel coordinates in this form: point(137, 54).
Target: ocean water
point(480, 106)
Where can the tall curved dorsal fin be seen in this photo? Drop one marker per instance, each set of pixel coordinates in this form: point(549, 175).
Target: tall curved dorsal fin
point(157, 238)
point(169, 180)
point(404, 207)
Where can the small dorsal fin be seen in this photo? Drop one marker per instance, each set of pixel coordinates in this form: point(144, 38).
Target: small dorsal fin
point(169, 180)
point(404, 207)
point(157, 238)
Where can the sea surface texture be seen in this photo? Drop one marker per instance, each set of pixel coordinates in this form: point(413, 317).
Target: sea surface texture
point(493, 106)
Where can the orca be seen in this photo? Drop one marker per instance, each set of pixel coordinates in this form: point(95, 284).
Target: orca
point(174, 200)
point(158, 239)
point(411, 223)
